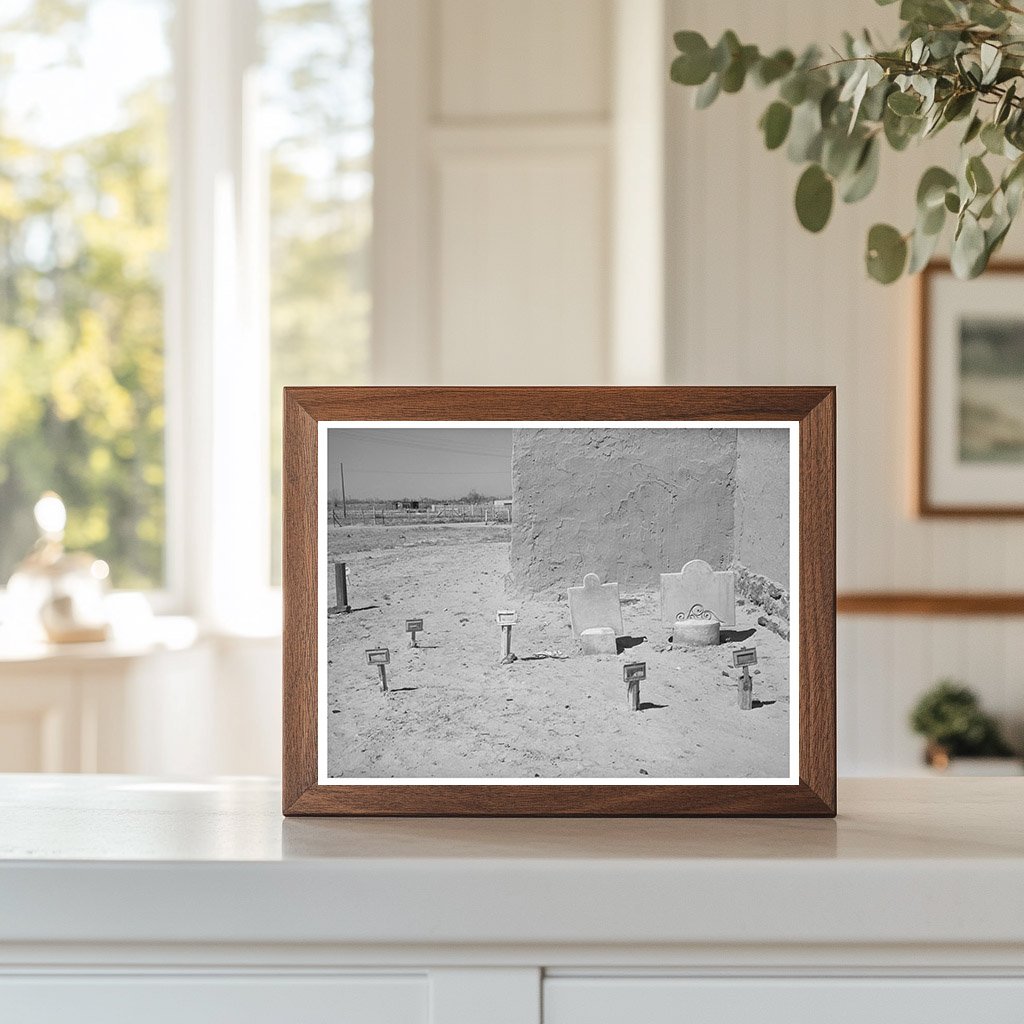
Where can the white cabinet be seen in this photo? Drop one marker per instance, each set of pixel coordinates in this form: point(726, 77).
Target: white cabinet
point(828, 1000)
point(132, 899)
point(202, 999)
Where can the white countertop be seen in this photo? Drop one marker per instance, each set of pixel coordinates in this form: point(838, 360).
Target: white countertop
point(120, 859)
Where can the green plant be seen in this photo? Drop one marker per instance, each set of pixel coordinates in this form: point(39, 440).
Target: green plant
point(956, 61)
point(950, 717)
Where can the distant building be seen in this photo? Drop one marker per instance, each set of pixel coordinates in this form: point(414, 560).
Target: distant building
point(503, 503)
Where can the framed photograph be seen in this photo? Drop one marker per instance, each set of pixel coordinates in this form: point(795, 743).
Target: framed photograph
point(559, 601)
point(970, 445)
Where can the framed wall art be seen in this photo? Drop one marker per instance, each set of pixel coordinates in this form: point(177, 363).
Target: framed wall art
point(559, 601)
point(970, 444)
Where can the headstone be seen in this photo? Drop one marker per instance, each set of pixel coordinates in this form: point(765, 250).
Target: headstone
point(599, 640)
point(698, 586)
point(694, 632)
point(595, 604)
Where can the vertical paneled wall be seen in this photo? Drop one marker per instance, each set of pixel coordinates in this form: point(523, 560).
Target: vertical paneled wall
point(509, 135)
point(753, 299)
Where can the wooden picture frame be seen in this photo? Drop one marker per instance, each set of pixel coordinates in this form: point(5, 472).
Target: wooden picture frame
point(935, 477)
point(808, 412)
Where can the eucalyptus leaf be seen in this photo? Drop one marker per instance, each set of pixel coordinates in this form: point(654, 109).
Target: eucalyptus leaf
point(900, 130)
point(1005, 105)
point(735, 74)
point(968, 248)
point(814, 195)
point(932, 221)
point(987, 15)
point(794, 88)
point(886, 253)
point(978, 176)
point(973, 130)
point(993, 138)
point(775, 124)
point(707, 93)
point(904, 103)
point(805, 133)
point(991, 60)
point(931, 190)
point(865, 173)
point(724, 51)
point(840, 152)
point(958, 105)
point(771, 69)
point(922, 248)
point(690, 70)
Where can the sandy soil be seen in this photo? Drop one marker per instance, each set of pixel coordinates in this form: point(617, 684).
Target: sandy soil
point(455, 711)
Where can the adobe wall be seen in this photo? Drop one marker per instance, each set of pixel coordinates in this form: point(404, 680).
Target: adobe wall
point(632, 503)
point(627, 504)
point(762, 503)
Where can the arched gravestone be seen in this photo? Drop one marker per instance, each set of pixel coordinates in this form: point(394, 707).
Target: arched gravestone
point(594, 605)
point(699, 584)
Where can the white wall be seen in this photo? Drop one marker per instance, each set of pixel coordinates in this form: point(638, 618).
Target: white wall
point(501, 152)
point(754, 299)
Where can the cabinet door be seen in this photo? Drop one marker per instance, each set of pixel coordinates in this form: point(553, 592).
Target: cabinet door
point(202, 999)
point(783, 1000)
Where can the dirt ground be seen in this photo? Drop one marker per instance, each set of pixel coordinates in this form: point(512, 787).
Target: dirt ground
point(455, 712)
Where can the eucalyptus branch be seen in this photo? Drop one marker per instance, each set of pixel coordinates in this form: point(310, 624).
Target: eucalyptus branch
point(954, 60)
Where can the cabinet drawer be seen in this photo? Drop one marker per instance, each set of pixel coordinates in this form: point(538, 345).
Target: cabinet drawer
point(783, 1000)
point(202, 999)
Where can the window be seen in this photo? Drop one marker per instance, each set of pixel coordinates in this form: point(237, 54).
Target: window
point(317, 117)
point(83, 236)
point(237, 212)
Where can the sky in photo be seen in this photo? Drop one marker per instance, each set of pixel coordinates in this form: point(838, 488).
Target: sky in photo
point(422, 462)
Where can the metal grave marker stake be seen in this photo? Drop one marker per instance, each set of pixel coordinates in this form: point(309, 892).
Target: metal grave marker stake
point(506, 619)
point(594, 605)
point(381, 657)
point(632, 674)
point(744, 657)
point(340, 590)
point(699, 584)
point(414, 626)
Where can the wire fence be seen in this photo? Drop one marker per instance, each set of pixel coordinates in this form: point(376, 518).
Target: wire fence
point(388, 514)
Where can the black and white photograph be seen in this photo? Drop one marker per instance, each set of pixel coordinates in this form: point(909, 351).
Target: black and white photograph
point(557, 602)
point(992, 389)
point(971, 394)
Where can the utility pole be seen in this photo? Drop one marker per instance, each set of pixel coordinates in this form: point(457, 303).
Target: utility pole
point(344, 507)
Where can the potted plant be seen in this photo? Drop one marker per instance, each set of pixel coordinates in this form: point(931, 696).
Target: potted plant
point(950, 717)
point(956, 62)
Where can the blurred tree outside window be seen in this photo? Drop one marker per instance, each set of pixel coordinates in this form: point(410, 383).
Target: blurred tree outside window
point(85, 111)
point(83, 236)
point(317, 122)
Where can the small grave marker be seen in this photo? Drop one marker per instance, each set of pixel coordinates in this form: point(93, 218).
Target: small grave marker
point(340, 590)
point(506, 619)
point(594, 605)
point(699, 584)
point(381, 657)
point(414, 626)
point(633, 674)
point(744, 657)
